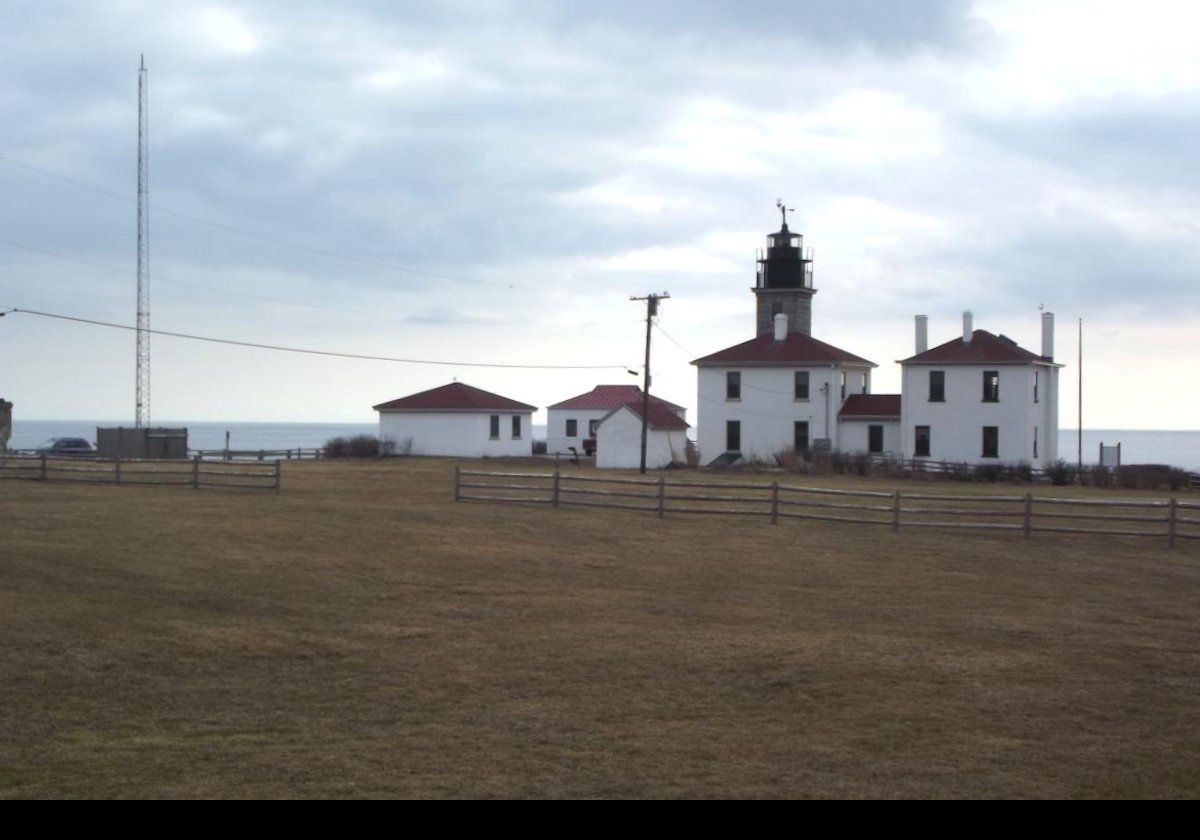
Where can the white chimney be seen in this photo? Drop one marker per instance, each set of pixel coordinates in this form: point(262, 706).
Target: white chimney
point(780, 327)
point(922, 333)
point(1048, 335)
point(968, 326)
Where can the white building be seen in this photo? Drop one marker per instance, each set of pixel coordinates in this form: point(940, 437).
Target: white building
point(457, 420)
point(619, 438)
point(980, 398)
point(977, 399)
point(573, 420)
point(775, 392)
point(870, 423)
point(783, 389)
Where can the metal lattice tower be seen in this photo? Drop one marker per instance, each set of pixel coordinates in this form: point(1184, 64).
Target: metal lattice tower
point(142, 419)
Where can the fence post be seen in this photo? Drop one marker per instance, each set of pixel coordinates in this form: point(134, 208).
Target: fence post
point(196, 472)
point(42, 475)
point(896, 511)
point(775, 503)
point(117, 469)
point(456, 480)
point(1171, 520)
point(662, 497)
point(556, 486)
point(1028, 526)
point(278, 474)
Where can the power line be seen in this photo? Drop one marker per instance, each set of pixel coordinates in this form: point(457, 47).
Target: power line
point(669, 338)
point(307, 351)
point(376, 313)
point(271, 239)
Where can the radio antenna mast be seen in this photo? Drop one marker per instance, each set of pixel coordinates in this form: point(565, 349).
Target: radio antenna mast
point(142, 418)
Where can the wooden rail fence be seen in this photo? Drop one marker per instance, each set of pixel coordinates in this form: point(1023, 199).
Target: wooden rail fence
point(1025, 513)
point(194, 473)
point(257, 454)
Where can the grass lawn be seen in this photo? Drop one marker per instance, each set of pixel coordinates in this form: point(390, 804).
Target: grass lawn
point(363, 635)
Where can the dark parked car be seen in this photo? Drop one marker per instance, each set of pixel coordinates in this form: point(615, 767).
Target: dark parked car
point(66, 446)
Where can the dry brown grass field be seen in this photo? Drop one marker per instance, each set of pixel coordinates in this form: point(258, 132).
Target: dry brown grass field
point(362, 635)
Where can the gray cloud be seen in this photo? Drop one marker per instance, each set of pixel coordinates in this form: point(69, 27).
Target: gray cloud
point(538, 145)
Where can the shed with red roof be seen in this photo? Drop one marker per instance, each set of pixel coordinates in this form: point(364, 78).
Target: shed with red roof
point(457, 420)
point(619, 437)
point(572, 421)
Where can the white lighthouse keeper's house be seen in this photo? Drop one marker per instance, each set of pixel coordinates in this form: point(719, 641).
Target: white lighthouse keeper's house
point(980, 398)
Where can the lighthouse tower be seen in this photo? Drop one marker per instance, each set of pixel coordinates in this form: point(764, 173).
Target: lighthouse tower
point(785, 281)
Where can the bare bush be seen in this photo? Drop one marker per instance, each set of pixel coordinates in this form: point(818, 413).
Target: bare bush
point(358, 446)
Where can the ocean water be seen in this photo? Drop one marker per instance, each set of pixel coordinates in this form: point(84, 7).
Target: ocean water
point(1140, 446)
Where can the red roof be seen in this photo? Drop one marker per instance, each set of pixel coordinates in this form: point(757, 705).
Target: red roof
point(984, 348)
point(796, 348)
point(455, 397)
point(871, 405)
point(661, 416)
point(609, 397)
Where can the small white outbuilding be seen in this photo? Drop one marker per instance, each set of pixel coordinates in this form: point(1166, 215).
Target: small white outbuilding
point(457, 420)
point(619, 438)
point(570, 422)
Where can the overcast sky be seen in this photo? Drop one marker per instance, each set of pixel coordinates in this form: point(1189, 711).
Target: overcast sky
point(490, 182)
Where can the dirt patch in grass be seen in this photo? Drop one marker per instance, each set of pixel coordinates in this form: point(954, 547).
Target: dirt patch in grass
point(363, 635)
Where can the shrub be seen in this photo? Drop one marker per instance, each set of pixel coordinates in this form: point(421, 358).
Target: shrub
point(539, 447)
point(1151, 477)
point(358, 446)
point(1061, 473)
point(788, 459)
point(989, 472)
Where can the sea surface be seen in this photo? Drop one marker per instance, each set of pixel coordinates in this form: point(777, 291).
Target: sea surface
point(1138, 446)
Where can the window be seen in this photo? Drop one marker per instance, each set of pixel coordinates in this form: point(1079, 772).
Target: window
point(862, 383)
point(801, 384)
point(516, 426)
point(921, 445)
point(733, 436)
point(843, 386)
point(593, 425)
point(733, 385)
point(572, 428)
point(1037, 375)
point(991, 441)
point(874, 438)
point(937, 386)
point(1035, 441)
point(991, 386)
point(801, 436)
point(495, 430)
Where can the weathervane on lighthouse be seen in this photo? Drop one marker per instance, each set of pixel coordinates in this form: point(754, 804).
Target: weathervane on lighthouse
point(784, 210)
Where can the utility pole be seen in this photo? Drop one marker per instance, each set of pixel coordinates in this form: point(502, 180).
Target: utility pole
point(142, 408)
point(1079, 438)
point(651, 310)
